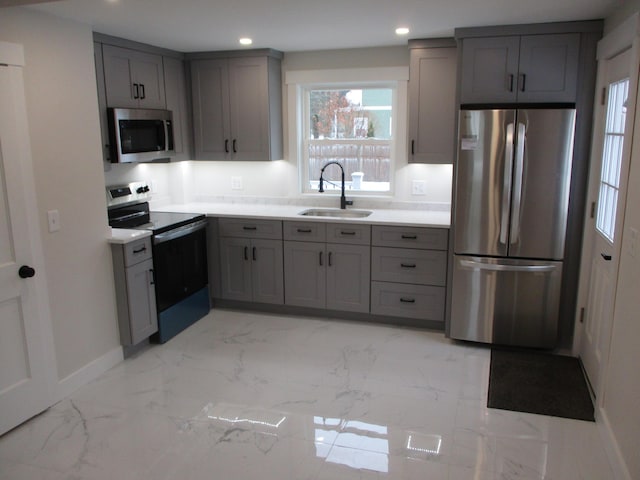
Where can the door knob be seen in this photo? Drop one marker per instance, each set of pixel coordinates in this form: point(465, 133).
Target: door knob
point(26, 271)
point(606, 257)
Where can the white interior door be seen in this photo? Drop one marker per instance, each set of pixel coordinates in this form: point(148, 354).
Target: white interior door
point(27, 369)
point(609, 171)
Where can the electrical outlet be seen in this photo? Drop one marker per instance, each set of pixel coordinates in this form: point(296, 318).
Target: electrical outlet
point(236, 183)
point(419, 187)
point(53, 218)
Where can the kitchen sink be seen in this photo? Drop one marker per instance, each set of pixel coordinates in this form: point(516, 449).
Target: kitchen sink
point(334, 212)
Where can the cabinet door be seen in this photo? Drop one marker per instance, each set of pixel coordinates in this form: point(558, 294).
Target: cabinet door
point(432, 105)
point(142, 301)
point(489, 69)
point(249, 108)
point(148, 73)
point(235, 265)
point(102, 104)
point(210, 94)
point(348, 277)
point(125, 70)
point(267, 271)
point(305, 274)
point(548, 69)
point(176, 95)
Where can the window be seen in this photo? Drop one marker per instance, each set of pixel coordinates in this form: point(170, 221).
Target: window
point(612, 159)
point(351, 126)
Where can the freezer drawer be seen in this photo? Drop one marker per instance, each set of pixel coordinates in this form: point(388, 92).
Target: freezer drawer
point(505, 301)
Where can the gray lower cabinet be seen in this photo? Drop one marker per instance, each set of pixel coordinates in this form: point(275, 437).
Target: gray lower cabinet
point(409, 272)
point(251, 269)
point(135, 291)
point(330, 275)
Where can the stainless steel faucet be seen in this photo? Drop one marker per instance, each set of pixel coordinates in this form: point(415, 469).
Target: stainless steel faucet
point(343, 200)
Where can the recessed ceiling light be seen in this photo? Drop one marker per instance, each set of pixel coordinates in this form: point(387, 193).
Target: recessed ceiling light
point(402, 31)
point(246, 41)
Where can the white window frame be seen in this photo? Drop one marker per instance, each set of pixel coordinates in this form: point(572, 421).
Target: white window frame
point(298, 82)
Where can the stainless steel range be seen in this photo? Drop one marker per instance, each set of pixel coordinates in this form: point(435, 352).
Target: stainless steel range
point(179, 244)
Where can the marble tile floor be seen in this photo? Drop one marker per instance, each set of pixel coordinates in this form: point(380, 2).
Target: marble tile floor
point(247, 396)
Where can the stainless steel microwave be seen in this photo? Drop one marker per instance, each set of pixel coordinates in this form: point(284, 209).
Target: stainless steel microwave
point(140, 135)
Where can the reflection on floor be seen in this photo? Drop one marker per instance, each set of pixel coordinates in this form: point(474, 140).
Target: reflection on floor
point(250, 396)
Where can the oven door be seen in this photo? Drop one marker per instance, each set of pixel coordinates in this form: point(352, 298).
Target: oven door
point(180, 263)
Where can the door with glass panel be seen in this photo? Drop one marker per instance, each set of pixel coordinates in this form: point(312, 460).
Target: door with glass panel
point(611, 151)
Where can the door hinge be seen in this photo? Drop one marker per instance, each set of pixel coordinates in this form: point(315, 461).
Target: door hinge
point(593, 209)
point(603, 98)
point(582, 315)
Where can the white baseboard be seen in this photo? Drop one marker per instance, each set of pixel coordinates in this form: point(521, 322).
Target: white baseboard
point(89, 372)
point(620, 470)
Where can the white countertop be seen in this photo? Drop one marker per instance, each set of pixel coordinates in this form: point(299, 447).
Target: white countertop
point(379, 216)
point(123, 236)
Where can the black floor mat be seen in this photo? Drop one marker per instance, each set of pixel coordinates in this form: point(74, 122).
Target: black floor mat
point(542, 383)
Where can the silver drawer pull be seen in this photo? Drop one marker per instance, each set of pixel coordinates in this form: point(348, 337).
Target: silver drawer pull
point(408, 265)
point(407, 300)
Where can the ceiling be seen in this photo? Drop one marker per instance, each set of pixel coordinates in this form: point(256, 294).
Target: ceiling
point(298, 25)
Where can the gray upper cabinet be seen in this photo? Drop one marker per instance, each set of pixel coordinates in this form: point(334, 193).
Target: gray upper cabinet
point(237, 107)
point(432, 101)
point(177, 102)
point(526, 69)
point(102, 104)
point(133, 79)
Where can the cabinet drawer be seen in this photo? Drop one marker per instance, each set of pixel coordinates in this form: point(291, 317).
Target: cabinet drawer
point(424, 267)
point(410, 237)
point(355, 234)
point(305, 231)
point(136, 252)
point(409, 301)
point(250, 228)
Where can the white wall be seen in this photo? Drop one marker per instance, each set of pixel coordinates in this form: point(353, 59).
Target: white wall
point(65, 142)
point(279, 179)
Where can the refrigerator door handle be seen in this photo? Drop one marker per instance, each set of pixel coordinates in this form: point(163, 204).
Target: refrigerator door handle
point(517, 184)
point(506, 268)
point(506, 187)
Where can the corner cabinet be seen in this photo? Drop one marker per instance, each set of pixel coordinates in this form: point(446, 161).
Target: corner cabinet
point(133, 78)
point(135, 291)
point(432, 100)
point(237, 105)
point(527, 69)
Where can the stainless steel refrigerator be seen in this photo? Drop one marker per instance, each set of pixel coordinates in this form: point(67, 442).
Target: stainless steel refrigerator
point(511, 200)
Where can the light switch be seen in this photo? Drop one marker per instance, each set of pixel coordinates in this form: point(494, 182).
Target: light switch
point(53, 217)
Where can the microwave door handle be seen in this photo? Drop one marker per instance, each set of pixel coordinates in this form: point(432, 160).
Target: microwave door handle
point(517, 184)
point(165, 124)
point(506, 185)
